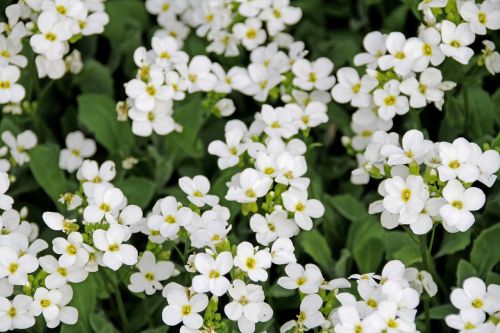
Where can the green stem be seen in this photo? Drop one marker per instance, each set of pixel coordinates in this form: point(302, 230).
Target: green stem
point(425, 261)
point(121, 308)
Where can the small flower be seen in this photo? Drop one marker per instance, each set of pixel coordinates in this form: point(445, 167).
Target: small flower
point(486, 16)
point(20, 145)
point(250, 33)
point(170, 220)
point(15, 266)
point(16, 314)
point(252, 185)
point(180, 308)
point(389, 101)
point(77, 149)
point(46, 303)
point(10, 91)
point(456, 40)
point(350, 88)
point(456, 213)
point(104, 202)
point(252, 261)
point(72, 250)
point(111, 243)
point(315, 75)
point(295, 201)
point(307, 280)
point(212, 273)
point(150, 274)
point(197, 188)
point(455, 161)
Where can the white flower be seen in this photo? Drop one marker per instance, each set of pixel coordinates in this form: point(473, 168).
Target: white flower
point(56, 221)
point(414, 148)
point(386, 318)
point(399, 56)
point(198, 74)
point(54, 32)
point(46, 302)
point(468, 320)
point(16, 314)
point(487, 16)
point(197, 188)
point(310, 315)
point(90, 174)
point(374, 43)
point(20, 145)
point(350, 88)
point(280, 14)
point(488, 164)
point(272, 226)
point(405, 196)
point(282, 252)
point(389, 101)
point(426, 49)
point(350, 321)
point(16, 266)
point(105, 201)
point(110, 242)
point(212, 271)
point(77, 149)
point(312, 115)
point(491, 57)
point(167, 51)
point(456, 213)
point(67, 314)
point(455, 41)
point(247, 305)
point(150, 274)
point(252, 185)
point(180, 308)
point(425, 90)
point(170, 220)
point(250, 33)
point(10, 91)
point(455, 161)
point(146, 94)
point(228, 152)
point(252, 261)
point(159, 120)
point(315, 75)
point(5, 200)
point(9, 50)
point(295, 201)
point(307, 280)
point(475, 295)
point(225, 107)
point(71, 250)
point(59, 275)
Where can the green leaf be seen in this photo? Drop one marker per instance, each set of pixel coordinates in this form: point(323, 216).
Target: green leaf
point(139, 191)
point(485, 252)
point(366, 240)
point(44, 164)
point(349, 207)
point(316, 246)
point(441, 311)
point(101, 324)
point(85, 301)
point(464, 271)
point(480, 112)
point(452, 243)
point(95, 78)
point(97, 113)
point(191, 116)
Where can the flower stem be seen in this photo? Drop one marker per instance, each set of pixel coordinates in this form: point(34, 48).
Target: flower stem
point(121, 307)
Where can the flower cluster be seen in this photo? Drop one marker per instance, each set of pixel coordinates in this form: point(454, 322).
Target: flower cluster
point(18, 147)
point(51, 26)
point(475, 301)
point(386, 302)
point(428, 182)
point(227, 24)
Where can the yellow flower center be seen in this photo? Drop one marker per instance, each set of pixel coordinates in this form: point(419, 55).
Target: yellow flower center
point(75, 152)
point(455, 43)
point(151, 90)
point(366, 133)
point(104, 207)
point(422, 88)
point(250, 263)
point(186, 310)
point(165, 55)
point(469, 326)
point(198, 194)
point(406, 195)
point(113, 247)
point(213, 274)
point(61, 10)
point(392, 323)
point(5, 54)
point(477, 303)
point(250, 193)
point(400, 55)
point(4, 84)
point(305, 119)
point(312, 77)
point(300, 281)
point(356, 88)
point(12, 312)
point(243, 300)
point(277, 13)
point(427, 50)
point(457, 204)
point(481, 17)
point(233, 150)
point(13, 267)
point(62, 271)
point(372, 303)
point(149, 276)
point(50, 36)
point(151, 116)
point(358, 329)
point(269, 170)
point(165, 7)
point(170, 219)
point(454, 164)
point(45, 303)
point(251, 33)
point(300, 207)
point(390, 100)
